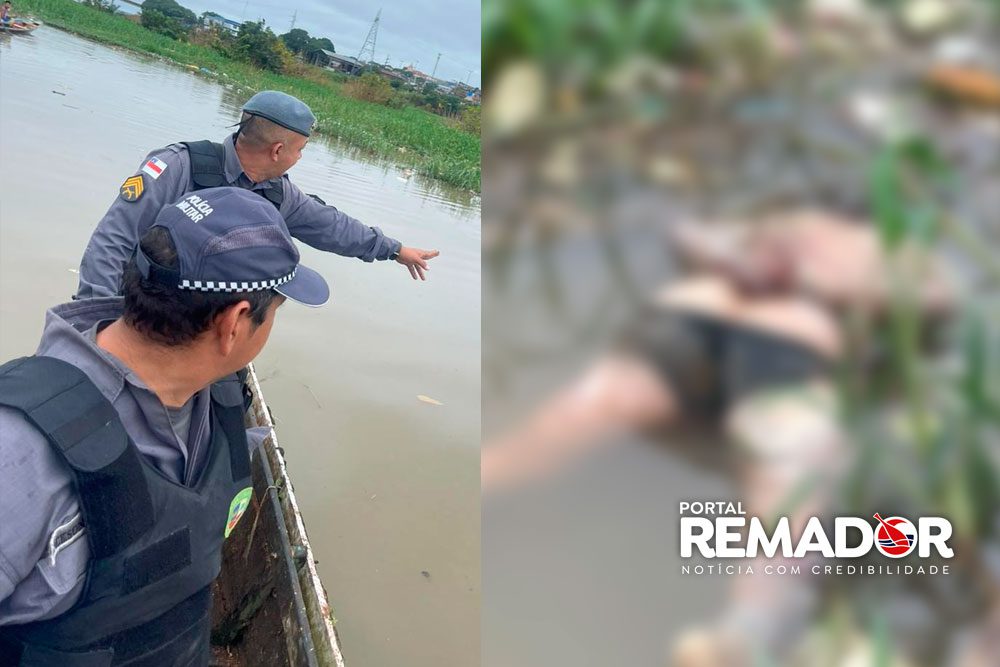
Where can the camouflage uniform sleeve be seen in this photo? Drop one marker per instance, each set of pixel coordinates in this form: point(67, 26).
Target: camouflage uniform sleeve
point(120, 229)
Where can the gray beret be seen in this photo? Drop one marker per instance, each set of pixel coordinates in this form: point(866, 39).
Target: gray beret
point(283, 109)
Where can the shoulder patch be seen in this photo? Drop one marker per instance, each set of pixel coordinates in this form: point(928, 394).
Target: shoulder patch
point(132, 188)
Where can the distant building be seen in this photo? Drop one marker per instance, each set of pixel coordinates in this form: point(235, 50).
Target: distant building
point(213, 20)
point(339, 63)
point(469, 94)
point(415, 73)
point(390, 72)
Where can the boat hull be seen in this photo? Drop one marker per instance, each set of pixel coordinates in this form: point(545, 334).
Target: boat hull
point(269, 606)
point(19, 27)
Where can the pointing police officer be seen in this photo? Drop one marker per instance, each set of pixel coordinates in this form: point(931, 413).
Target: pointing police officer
point(125, 462)
point(273, 131)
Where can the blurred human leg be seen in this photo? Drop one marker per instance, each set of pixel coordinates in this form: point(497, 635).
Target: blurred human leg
point(618, 393)
point(668, 369)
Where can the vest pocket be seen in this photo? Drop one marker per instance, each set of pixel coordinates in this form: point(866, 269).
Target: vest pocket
point(158, 560)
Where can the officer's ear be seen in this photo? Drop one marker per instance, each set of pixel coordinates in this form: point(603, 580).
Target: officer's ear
point(276, 149)
point(230, 325)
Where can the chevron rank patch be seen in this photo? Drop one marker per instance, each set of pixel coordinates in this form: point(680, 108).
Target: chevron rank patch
point(132, 188)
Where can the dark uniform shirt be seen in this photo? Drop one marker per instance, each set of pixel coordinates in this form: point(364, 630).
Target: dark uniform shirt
point(118, 233)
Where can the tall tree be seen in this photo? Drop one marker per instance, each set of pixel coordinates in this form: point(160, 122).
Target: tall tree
point(256, 44)
point(296, 40)
point(311, 51)
point(171, 9)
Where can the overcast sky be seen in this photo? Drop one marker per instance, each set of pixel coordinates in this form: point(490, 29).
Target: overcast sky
point(410, 32)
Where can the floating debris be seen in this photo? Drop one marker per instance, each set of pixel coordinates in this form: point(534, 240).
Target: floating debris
point(58, 93)
point(961, 50)
point(428, 399)
point(425, 574)
point(928, 17)
point(666, 170)
point(967, 84)
point(313, 394)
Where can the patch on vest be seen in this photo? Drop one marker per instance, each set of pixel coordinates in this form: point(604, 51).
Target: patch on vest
point(236, 508)
point(63, 536)
point(132, 188)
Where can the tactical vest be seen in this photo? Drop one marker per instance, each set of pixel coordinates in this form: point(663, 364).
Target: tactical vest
point(208, 161)
point(155, 546)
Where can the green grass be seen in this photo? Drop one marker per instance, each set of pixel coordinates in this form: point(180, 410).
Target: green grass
point(408, 136)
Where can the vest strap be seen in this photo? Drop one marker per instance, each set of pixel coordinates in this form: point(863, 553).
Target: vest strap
point(208, 160)
point(84, 429)
point(227, 397)
point(207, 163)
point(158, 560)
point(179, 635)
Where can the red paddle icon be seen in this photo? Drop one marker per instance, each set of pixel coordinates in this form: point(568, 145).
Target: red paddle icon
point(895, 539)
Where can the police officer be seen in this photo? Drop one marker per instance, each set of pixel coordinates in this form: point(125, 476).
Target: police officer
point(124, 457)
point(273, 131)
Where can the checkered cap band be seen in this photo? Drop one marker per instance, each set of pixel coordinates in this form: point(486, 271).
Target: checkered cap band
point(222, 286)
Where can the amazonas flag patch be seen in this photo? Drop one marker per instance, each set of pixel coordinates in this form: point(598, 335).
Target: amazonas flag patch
point(154, 167)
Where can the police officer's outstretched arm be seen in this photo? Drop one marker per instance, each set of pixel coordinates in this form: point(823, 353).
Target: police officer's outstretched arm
point(160, 179)
point(327, 228)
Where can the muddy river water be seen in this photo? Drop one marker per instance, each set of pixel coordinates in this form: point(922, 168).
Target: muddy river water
point(389, 484)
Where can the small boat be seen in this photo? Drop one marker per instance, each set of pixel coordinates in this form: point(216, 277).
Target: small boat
point(19, 26)
point(269, 605)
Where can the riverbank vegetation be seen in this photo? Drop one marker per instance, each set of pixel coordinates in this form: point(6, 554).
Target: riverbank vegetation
point(407, 135)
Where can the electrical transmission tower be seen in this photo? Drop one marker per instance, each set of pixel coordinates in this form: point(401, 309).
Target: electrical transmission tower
point(367, 52)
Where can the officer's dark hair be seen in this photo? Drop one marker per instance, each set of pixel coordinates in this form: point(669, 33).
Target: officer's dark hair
point(258, 132)
point(172, 316)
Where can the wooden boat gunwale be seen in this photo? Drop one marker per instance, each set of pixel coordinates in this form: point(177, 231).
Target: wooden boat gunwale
point(317, 606)
point(269, 605)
